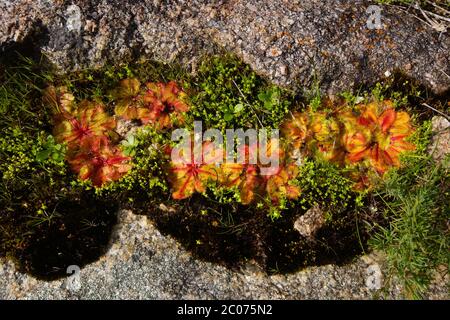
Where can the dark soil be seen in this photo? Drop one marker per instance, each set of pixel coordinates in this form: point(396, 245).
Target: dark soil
point(234, 236)
point(81, 236)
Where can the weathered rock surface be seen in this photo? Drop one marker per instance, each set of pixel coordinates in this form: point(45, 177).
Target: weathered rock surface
point(309, 223)
point(440, 143)
point(143, 264)
point(291, 42)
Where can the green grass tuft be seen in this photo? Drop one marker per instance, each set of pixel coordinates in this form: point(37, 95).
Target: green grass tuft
point(416, 208)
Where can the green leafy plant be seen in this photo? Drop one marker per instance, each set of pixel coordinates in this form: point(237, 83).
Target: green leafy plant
point(51, 150)
point(271, 98)
point(129, 145)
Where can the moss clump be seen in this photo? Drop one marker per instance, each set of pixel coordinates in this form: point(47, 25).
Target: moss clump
point(147, 178)
point(323, 184)
point(229, 94)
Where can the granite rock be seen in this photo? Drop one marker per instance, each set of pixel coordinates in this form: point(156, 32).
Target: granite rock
point(293, 43)
point(141, 263)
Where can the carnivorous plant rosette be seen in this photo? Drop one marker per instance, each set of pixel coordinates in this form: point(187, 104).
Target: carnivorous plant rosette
point(165, 104)
point(253, 177)
point(100, 162)
point(244, 175)
point(324, 137)
point(129, 100)
point(87, 121)
point(192, 168)
point(377, 135)
point(60, 101)
point(279, 185)
point(295, 128)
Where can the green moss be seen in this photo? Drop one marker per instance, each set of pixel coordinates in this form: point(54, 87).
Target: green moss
point(147, 178)
point(230, 95)
point(222, 195)
point(324, 184)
